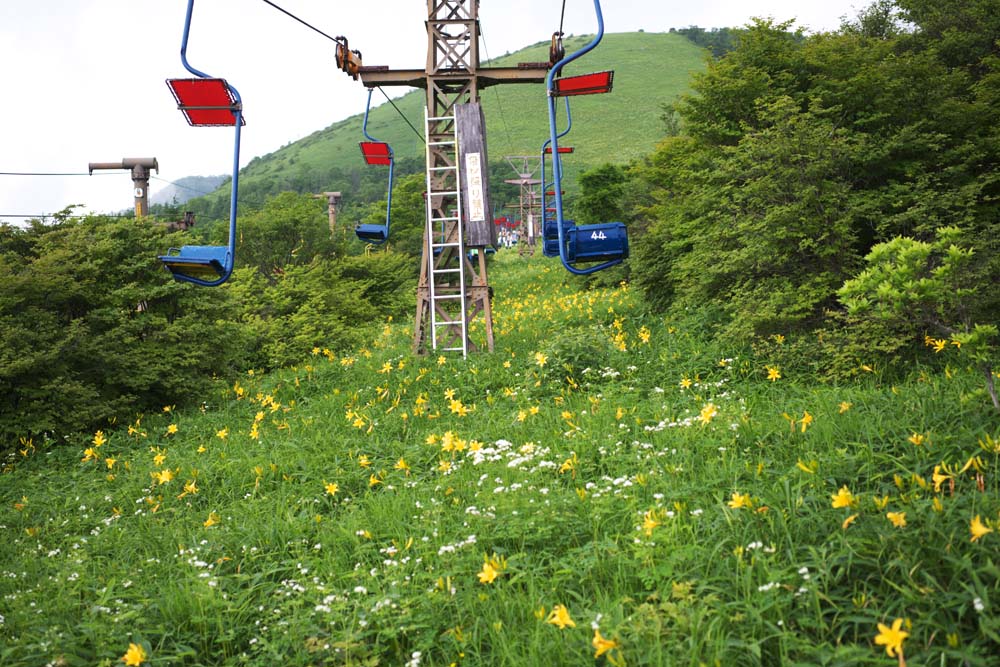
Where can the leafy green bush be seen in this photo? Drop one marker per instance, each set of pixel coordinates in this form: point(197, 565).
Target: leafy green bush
point(925, 286)
point(803, 153)
point(92, 327)
point(576, 350)
point(328, 303)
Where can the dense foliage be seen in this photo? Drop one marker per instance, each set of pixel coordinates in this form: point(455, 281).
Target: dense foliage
point(799, 154)
point(92, 327)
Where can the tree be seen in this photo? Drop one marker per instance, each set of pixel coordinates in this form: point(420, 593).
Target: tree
point(601, 195)
point(289, 229)
point(92, 327)
point(803, 154)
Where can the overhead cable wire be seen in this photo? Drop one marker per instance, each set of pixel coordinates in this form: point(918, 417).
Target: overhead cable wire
point(308, 25)
point(42, 216)
point(403, 116)
point(503, 117)
point(180, 185)
point(241, 200)
point(51, 173)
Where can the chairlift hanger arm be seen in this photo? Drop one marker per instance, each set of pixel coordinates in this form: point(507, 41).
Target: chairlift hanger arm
point(378, 153)
point(207, 266)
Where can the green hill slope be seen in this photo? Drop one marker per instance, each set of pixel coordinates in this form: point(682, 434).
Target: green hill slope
point(651, 69)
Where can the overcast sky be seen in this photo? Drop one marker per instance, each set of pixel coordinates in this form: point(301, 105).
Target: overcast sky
point(83, 80)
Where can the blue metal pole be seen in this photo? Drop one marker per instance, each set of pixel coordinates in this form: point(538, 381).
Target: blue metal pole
point(569, 126)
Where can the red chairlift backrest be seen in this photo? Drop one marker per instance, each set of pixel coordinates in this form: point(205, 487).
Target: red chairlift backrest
point(376, 152)
point(205, 102)
point(562, 149)
point(584, 84)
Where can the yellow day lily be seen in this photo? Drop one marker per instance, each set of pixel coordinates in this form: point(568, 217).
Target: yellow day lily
point(898, 519)
point(811, 467)
point(602, 645)
point(978, 528)
point(649, 522)
point(892, 638)
point(806, 420)
point(740, 500)
point(560, 617)
point(492, 567)
point(134, 656)
point(843, 498)
point(707, 413)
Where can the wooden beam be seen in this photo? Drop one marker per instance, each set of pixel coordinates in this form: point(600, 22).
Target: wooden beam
point(487, 76)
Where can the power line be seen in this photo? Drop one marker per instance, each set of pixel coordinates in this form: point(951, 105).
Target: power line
point(42, 216)
point(308, 25)
point(342, 41)
point(180, 185)
point(51, 173)
point(503, 117)
point(239, 200)
point(400, 113)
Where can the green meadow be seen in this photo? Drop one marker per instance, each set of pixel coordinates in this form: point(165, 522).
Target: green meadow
point(607, 487)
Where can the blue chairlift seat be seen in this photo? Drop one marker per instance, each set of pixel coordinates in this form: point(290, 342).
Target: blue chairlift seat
point(372, 233)
point(550, 235)
point(473, 252)
point(197, 263)
point(604, 242)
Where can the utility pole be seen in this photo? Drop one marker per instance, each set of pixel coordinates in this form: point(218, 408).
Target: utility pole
point(140, 167)
point(452, 77)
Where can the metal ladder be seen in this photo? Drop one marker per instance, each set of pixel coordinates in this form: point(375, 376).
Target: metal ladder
point(446, 279)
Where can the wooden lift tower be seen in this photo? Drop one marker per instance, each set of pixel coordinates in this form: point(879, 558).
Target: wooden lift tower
point(453, 288)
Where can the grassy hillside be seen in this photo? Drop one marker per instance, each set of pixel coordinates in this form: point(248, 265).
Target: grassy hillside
point(651, 69)
point(606, 484)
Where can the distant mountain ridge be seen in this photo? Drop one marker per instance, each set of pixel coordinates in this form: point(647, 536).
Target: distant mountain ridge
point(180, 191)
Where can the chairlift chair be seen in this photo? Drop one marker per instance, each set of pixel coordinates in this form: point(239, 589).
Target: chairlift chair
point(376, 152)
point(207, 101)
point(605, 243)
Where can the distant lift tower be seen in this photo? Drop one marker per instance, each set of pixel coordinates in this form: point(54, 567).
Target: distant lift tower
point(332, 202)
point(452, 290)
point(530, 207)
point(140, 167)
